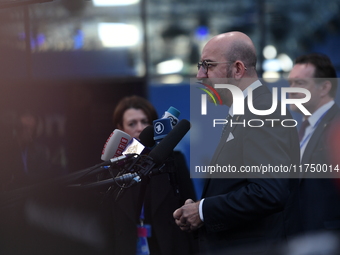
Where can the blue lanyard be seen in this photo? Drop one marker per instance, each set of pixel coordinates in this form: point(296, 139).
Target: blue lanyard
point(304, 141)
point(142, 214)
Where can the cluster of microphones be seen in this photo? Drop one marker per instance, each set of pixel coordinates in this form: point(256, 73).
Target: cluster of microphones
point(135, 159)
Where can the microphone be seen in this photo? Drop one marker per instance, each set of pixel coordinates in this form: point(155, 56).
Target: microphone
point(133, 149)
point(166, 146)
point(157, 156)
point(131, 152)
point(118, 151)
point(111, 154)
point(172, 113)
point(115, 144)
point(146, 137)
point(119, 161)
point(163, 126)
point(147, 165)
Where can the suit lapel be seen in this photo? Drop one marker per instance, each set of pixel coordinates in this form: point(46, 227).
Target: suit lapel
point(237, 118)
point(318, 133)
point(217, 152)
point(231, 129)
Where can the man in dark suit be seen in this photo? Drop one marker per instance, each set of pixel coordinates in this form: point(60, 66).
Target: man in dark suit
point(248, 214)
point(320, 197)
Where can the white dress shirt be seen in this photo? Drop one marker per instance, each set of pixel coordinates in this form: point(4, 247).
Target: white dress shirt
point(313, 120)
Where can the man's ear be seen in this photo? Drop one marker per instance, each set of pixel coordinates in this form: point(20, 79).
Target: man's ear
point(326, 87)
point(239, 69)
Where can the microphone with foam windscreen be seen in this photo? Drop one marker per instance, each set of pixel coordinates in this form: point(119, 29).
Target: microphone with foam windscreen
point(111, 154)
point(146, 137)
point(166, 146)
point(133, 148)
point(115, 144)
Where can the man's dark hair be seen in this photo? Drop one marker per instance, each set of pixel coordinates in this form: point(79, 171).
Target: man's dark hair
point(324, 69)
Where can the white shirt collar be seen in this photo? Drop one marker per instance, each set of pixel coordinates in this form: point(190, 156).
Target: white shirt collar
point(253, 86)
point(314, 118)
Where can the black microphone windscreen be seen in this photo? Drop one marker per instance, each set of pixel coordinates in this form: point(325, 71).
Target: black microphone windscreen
point(146, 137)
point(163, 150)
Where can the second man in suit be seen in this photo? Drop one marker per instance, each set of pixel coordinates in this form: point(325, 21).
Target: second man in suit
point(320, 207)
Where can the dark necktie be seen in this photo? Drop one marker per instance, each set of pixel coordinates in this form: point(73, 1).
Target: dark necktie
point(302, 129)
point(226, 124)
